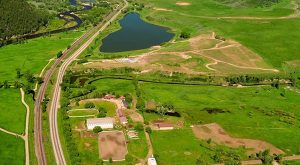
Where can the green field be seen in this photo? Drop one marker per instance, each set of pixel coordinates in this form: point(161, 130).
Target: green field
point(12, 111)
point(33, 55)
point(251, 112)
point(12, 149)
point(274, 40)
point(118, 86)
point(138, 147)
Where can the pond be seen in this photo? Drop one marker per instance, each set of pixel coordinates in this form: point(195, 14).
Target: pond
point(135, 34)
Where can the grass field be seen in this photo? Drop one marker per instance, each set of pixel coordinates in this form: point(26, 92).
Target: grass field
point(251, 111)
point(12, 111)
point(138, 147)
point(275, 46)
point(120, 87)
point(186, 151)
point(34, 54)
point(12, 149)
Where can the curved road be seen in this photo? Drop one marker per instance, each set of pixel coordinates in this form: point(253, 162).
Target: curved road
point(57, 149)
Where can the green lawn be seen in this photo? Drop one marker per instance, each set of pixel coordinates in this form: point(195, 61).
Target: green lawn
point(12, 111)
point(261, 102)
point(83, 112)
point(216, 8)
point(120, 87)
point(138, 147)
point(107, 105)
point(12, 150)
point(34, 54)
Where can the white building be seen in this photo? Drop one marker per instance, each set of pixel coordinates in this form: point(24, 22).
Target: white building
point(104, 123)
point(152, 161)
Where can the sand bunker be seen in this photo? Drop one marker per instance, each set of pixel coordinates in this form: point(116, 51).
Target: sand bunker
point(161, 9)
point(183, 3)
point(218, 135)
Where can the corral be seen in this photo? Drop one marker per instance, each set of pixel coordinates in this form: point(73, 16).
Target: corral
point(112, 145)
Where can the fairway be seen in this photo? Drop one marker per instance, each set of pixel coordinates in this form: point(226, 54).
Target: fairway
point(248, 112)
point(12, 149)
point(12, 111)
point(33, 55)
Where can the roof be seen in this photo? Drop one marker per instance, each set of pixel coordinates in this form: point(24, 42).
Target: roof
point(100, 120)
point(123, 120)
point(152, 161)
point(121, 112)
point(164, 125)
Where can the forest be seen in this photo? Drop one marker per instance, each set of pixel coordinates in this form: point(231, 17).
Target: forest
point(18, 17)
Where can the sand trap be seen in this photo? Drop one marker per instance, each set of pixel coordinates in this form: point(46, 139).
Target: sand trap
point(218, 135)
point(161, 9)
point(183, 3)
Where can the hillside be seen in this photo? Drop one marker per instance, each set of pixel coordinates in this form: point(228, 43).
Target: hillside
point(19, 17)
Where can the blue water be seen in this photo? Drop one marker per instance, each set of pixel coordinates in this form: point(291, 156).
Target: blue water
point(73, 2)
point(135, 34)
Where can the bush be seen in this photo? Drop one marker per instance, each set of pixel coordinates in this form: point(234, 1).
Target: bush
point(148, 130)
point(89, 105)
point(97, 129)
point(185, 34)
point(139, 127)
point(59, 54)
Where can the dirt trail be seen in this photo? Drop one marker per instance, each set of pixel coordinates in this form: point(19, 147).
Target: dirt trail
point(27, 125)
point(295, 14)
point(11, 133)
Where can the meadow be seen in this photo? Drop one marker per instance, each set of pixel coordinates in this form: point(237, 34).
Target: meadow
point(118, 86)
point(12, 111)
point(12, 149)
point(251, 112)
point(34, 54)
point(273, 39)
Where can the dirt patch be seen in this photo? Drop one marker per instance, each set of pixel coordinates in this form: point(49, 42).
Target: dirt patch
point(161, 9)
point(218, 135)
point(183, 3)
point(112, 145)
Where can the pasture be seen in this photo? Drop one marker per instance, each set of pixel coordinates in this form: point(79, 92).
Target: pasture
point(247, 112)
point(119, 87)
point(12, 111)
point(12, 149)
point(34, 54)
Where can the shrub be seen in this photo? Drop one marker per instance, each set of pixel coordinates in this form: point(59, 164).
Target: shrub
point(97, 129)
point(139, 127)
point(185, 34)
point(148, 130)
point(89, 105)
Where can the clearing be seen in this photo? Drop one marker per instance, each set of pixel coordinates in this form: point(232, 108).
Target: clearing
point(112, 145)
point(218, 135)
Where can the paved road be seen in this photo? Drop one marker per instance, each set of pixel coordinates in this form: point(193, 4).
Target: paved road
point(57, 149)
point(38, 138)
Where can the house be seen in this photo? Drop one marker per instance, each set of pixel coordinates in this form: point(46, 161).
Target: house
point(164, 126)
point(152, 161)
point(122, 117)
point(104, 123)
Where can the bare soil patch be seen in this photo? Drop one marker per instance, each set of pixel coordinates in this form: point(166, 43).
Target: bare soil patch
point(183, 3)
point(112, 145)
point(218, 135)
point(161, 9)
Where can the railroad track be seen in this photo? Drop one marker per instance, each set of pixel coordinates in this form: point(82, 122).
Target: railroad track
point(39, 147)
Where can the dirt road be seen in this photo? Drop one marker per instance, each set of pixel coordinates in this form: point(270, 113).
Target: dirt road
point(58, 152)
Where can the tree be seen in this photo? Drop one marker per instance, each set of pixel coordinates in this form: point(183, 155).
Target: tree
point(19, 74)
point(265, 157)
point(39, 80)
point(59, 54)
point(185, 35)
point(161, 110)
point(17, 84)
point(29, 76)
point(139, 127)
point(148, 130)
point(110, 160)
point(101, 114)
point(97, 129)
point(5, 84)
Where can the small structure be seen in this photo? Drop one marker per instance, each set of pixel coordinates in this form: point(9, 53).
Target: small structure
point(152, 161)
point(133, 134)
point(109, 96)
point(104, 123)
point(164, 126)
point(122, 117)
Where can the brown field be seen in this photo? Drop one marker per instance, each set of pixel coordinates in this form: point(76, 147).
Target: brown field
point(112, 145)
point(218, 135)
point(202, 54)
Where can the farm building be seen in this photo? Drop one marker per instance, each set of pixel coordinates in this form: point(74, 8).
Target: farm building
point(104, 123)
point(152, 161)
point(164, 126)
point(122, 117)
point(109, 96)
